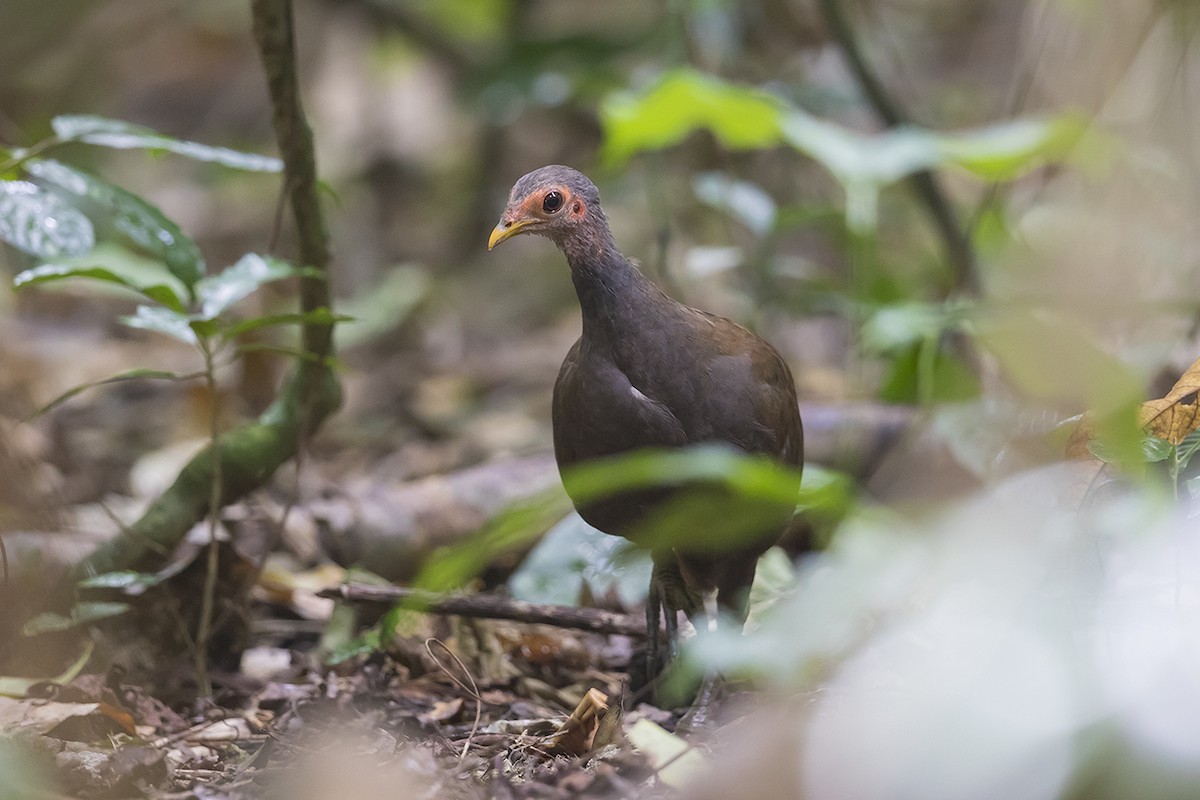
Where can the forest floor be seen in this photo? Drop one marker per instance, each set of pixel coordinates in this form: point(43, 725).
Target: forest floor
point(312, 697)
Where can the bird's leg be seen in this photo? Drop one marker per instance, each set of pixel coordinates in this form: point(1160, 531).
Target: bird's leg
point(668, 596)
point(699, 716)
point(654, 607)
point(732, 597)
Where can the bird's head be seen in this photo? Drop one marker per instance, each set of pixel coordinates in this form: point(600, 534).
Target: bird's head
point(556, 202)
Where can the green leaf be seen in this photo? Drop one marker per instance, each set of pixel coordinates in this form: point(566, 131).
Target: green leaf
point(132, 582)
point(740, 117)
point(898, 326)
point(218, 292)
point(318, 316)
point(164, 321)
point(509, 531)
point(1005, 150)
point(127, 136)
point(924, 373)
point(42, 223)
point(752, 476)
point(861, 159)
point(572, 554)
point(1153, 450)
point(131, 375)
point(46, 273)
point(81, 614)
point(367, 643)
point(1186, 449)
point(135, 220)
point(682, 102)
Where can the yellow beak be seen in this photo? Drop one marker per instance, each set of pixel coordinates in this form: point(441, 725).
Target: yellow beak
point(507, 230)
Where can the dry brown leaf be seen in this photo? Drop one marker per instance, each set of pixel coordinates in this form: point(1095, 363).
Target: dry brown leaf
point(1171, 417)
point(578, 734)
point(1177, 414)
point(442, 711)
point(72, 721)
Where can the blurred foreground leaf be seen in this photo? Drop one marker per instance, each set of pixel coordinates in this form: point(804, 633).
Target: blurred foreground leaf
point(1055, 360)
point(511, 530)
point(164, 321)
point(126, 135)
point(217, 293)
point(573, 554)
point(41, 223)
point(676, 761)
point(138, 373)
point(47, 273)
point(682, 102)
point(135, 221)
point(81, 614)
point(741, 117)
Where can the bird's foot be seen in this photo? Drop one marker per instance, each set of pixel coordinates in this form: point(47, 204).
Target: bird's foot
point(700, 718)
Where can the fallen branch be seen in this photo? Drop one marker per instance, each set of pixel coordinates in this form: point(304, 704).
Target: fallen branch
point(489, 606)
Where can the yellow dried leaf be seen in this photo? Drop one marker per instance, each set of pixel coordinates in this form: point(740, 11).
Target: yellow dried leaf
point(1177, 414)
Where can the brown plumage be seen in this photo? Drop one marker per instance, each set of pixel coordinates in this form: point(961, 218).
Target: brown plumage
point(651, 372)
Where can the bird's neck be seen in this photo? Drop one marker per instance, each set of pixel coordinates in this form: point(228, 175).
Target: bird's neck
point(617, 300)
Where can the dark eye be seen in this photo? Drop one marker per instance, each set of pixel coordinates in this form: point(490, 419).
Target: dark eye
point(552, 202)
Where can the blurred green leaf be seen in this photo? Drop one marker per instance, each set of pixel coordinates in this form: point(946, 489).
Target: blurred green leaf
point(1055, 359)
point(510, 530)
point(723, 497)
point(366, 643)
point(901, 325)
point(1186, 449)
point(676, 763)
point(126, 136)
point(217, 293)
point(997, 152)
point(923, 373)
point(752, 476)
point(42, 223)
point(1153, 450)
point(158, 292)
point(573, 553)
point(861, 159)
point(682, 102)
point(1006, 150)
point(81, 614)
point(741, 118)
point(134, 582)
point(134, 219)
point(318, 316)
point(164, 321)
point(130, 375)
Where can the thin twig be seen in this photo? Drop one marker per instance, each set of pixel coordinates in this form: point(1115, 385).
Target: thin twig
point(213, 562)
point(473, 691)
point(494, 607)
